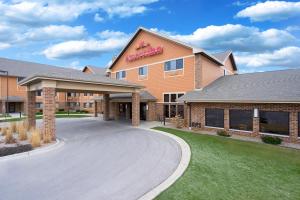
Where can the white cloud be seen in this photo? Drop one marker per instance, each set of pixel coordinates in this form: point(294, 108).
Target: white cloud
point(37, 12)
point(293, 28)
point(55, 32)
point(284, 57)
point(4, 45)
point(83, 48)
point(271, 10)
point(238, 38)
point(98, 18)
point(112, 34)
point(75, 65)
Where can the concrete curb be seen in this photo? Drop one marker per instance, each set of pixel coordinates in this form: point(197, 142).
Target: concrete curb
point(56, 145)
point(183, 164)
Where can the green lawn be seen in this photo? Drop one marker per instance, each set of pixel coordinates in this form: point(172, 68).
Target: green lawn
point(224, 168)
point(40, 117)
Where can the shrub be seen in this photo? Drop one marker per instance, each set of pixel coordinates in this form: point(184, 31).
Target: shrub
point(35, 139)
point(3, 131)
point(9, 138)
point(271, 139)
point(22, 132)
point(13, 127)
point(26, 125)
point(223, 133)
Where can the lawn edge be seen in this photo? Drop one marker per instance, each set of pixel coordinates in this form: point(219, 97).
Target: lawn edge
point(181, 168)
point(58, 143)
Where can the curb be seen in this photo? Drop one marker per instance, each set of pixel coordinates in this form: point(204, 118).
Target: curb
point(183, 164)
point(56, 145)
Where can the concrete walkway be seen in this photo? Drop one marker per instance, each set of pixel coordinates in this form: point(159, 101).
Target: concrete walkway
point(100, 160)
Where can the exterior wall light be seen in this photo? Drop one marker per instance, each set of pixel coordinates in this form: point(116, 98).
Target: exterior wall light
point(256, 113)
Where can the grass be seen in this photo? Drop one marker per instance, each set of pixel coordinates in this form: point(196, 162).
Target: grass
point(40, 117)
point(224, 168)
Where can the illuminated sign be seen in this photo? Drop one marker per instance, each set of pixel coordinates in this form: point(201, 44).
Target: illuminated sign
point(145, 50)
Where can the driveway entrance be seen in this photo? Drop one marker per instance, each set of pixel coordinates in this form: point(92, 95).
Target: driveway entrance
point(100, 160)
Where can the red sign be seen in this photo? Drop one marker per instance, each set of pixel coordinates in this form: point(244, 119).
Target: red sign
point(150, 51)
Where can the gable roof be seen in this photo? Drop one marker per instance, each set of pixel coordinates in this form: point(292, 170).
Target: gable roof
point(163, 36)
point(20, 68)
point(95, 70)
point(262, 87)
point(223, 56)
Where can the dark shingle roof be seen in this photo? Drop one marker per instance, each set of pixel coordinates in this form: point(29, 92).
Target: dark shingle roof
point(276, 86)
point(222, 56)
point(23, 68)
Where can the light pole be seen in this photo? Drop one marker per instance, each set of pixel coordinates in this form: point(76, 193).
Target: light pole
point(6, 103)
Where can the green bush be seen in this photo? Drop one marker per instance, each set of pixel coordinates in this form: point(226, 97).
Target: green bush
point(223, 133)
point(271, 139)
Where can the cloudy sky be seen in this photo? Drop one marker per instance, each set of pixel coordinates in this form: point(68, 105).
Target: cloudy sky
point(264, 35)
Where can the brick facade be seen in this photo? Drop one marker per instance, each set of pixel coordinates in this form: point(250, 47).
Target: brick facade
point(30, 109)
point(198, 116)
point(198, 71)
point(135, 109)
point(151, 114)
point(106, 107)
point(49, 111)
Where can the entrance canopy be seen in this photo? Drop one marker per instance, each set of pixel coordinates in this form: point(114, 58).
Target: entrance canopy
point(53, 82)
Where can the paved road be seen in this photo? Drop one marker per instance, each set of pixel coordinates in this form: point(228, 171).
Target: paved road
point(100, 160)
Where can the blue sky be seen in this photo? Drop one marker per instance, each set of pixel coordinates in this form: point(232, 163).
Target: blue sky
point(72, 33)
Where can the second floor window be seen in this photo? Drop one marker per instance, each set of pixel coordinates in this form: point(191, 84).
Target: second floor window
point(121, 75)
point(143, 71)
point(174, 64)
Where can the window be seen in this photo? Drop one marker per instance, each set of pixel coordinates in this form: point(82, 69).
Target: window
point(38, 105)
point(214, 117)
point(174, 64)
point(241, 120)
point(143, 71)
point(298, 124)
point(274, 122)
point(38, 93)
point(85, 94)
point(85, 105)
point(171, 107)
point(121, 74)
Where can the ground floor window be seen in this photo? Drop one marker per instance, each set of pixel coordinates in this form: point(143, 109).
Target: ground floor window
point(214, 117)
point(241, 119)
point(172, 110)
point(38, 105)
point(87, 105)
point(274, 122)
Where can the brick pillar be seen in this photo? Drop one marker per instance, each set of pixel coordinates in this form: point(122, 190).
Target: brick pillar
point(30, 109)
point(202, 116)
point(127, 111)
point(96, 109)
point(293, 126)
point(151, 112)
point(49, 107)
point(198, 72)
point(226, 119)
point(255, 126)
point(116, 111)
point(105, 107)
point(135, 109)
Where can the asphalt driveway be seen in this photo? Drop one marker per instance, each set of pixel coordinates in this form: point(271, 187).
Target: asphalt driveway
point(100, 160)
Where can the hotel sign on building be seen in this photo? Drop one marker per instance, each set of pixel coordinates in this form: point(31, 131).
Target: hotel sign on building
point(144, 49)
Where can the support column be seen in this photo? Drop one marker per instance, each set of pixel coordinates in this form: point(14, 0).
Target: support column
point(116, 111)
point(105, 107)
point(293, 126)
point(3, 107)
point(135, 109)
point(255, 126)
point(226, 119)
point(95, 109)
point(30, 108)
point(49, 111)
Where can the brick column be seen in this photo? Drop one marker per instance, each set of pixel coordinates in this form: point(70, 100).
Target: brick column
point(30, 108)
point(105, 107)
point(293, 126)
point(198, 72)
point(151, 112)
point(226, 119)
point(255, 126)
point(116, 111)
point(96, 109)
point(49, 107)
point(135, 109)
point(202, 116)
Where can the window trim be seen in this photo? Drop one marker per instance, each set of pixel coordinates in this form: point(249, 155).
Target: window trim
point(274, 134)
point(214, 126)
point(172, 70)
point(121, 72)
point(248, 110)
point(146, 67)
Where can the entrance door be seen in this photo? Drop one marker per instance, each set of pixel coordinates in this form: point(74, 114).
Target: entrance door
point(11, 107)
point(143, 111)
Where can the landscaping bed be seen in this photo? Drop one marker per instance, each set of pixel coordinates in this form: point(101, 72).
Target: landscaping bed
point(224, 168)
